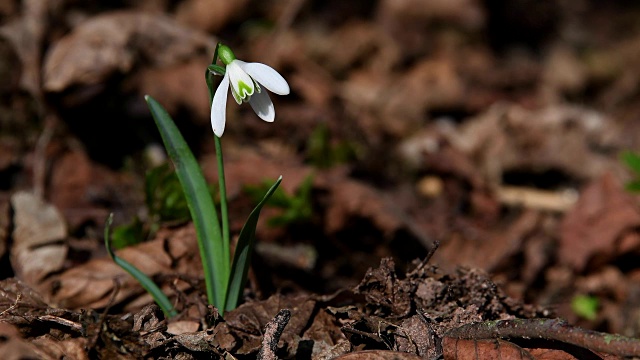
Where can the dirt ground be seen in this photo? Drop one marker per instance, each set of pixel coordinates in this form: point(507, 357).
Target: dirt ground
point(453, 182)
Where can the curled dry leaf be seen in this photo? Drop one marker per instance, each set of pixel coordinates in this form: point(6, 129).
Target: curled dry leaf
point(243, 329)
point(115, 42)
point(39, 230)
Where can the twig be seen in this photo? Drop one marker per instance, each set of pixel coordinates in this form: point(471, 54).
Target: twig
point(13, 306)
point(272, 332)
point(94, 339)
point(62, 321)
point(549, 329)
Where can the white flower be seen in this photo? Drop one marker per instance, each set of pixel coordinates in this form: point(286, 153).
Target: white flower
point(246, 81)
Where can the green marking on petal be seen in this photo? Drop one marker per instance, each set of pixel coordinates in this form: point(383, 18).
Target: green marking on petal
point(244, 89)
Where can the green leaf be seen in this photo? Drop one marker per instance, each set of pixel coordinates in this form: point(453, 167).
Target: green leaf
point(244, 249)
point(296, 208)
point(632, 160)
point(215, 259)
point(160, 298)
point(164, 195)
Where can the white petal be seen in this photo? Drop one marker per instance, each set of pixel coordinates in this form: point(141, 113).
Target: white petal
point(241, 81)
point(263, 106)
point(219, 106)
point(266, 76)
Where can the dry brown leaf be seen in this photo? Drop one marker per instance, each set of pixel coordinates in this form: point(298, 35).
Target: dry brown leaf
point(596, 225)
point(79, 189)
point(511, 138)
point(378, 355)
point(13, 347)
point(182, 326)
point(5, 223)
point(51, 348)
point(350, 199)
point(459, 349)
point(39, 231)
point(243, 327)
point(179, 87)
point(26, 36)
point(91, 284)
point(116, 42)
point(208, 15)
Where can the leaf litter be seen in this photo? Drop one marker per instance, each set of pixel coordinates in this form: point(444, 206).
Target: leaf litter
point(504, 155)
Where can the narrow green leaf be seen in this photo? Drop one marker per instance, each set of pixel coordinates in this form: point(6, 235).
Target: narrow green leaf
point(244, 249)
point(203, 212)
point(160, 298)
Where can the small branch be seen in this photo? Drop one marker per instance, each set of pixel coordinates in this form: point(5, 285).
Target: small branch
point(549, 329)
point(272, 332)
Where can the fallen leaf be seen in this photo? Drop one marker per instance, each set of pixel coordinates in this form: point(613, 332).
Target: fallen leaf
point(596, 225)
point(198, 14)
point(91, 285)
point(39, 231)
point(460, 349)
point(243, 327)
point(378, 355)
point(13, 347)
point(116, 42)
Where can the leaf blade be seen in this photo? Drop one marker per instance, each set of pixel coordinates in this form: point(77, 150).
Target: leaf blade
point(203, 211)
point(244, 249)
point(160, 298)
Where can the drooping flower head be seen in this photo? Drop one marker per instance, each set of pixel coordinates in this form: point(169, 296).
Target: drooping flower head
point(246, 81)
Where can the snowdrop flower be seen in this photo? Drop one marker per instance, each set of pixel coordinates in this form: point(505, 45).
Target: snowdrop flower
point(246, 81)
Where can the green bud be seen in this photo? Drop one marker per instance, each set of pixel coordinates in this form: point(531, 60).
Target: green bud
point(225, 54)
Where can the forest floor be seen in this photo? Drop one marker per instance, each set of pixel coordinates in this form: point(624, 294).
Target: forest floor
point(454, 183)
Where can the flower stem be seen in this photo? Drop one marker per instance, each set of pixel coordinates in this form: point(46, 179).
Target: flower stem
point(224, 213)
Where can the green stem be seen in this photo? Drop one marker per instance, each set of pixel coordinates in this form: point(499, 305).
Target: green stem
point(224, 213)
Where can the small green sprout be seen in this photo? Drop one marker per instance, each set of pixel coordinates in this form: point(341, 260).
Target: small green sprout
point(585, 306)
point(322, 153)
point(295, 208)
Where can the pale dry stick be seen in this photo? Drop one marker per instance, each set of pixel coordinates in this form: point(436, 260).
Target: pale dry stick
point(62, 321)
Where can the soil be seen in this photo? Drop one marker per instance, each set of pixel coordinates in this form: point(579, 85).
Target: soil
point(457, 181)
